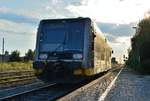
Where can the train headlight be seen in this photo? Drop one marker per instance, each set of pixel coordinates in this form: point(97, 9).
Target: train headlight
point(43, 56)
point(77, 56)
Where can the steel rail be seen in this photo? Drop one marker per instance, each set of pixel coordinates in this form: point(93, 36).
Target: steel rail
point(14, 72)
point(26, 92)
point(18, 80)
point(15, 77)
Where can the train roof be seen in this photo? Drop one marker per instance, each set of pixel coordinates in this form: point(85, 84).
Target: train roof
point(101, 34)
point(79, 18)
point(97, 29)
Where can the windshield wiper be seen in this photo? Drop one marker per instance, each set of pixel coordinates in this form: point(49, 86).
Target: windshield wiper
point(62, 44)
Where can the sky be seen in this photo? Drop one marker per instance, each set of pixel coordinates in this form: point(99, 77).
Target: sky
point(19, 19)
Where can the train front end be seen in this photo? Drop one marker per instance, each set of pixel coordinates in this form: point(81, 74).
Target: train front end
point(59, 47)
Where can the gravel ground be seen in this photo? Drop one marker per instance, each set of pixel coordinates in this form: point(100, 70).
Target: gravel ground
point(93, 92)
point(130, 87)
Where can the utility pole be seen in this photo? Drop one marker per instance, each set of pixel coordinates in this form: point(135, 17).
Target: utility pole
point(3, 43)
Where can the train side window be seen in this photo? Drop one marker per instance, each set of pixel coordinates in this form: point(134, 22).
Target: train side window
point(102, 54)
point(110, 53)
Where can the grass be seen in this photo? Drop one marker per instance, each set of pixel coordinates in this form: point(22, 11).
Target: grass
point(15, 66)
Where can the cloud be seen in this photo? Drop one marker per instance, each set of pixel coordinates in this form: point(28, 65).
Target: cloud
point(19, 42)
point(3, 9)
point(18, 18)
point(113, 11)
point(121, 46)
point(59, 8)
point(119, 49)
point(17, 33)
point(20, 36)
point(7, 26)
point(110, 37)
point(124, 40)
point(113, 31)
point(118, 35)
point(147, 14)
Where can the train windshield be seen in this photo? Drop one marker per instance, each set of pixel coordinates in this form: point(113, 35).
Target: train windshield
point(62, 36)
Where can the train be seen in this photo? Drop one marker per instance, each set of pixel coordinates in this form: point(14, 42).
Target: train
point(71, 46)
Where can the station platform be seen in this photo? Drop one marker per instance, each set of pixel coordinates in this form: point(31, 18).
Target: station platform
point(130, 86)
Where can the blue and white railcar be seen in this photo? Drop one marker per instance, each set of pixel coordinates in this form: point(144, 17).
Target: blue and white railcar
point(71, 46)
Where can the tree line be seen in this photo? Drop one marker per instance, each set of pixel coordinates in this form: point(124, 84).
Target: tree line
point(15, 56)
point(139, 56)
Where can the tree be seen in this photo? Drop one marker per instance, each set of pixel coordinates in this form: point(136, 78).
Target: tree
point(139, 57)
point(15, 56)
point(29, 55)
point(143, 32)
point(144, 26)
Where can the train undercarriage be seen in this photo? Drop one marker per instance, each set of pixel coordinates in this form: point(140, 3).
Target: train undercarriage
point(60, 72)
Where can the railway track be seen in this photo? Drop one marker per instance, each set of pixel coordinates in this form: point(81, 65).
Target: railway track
point(40, 92)
point(12, 73)
point(24, 78)
point(10, 78)
point(43, 91)
point(22, 92)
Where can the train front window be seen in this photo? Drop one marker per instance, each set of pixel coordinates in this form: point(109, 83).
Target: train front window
point(53, 36)
point(76, 36)
point(62, 36)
